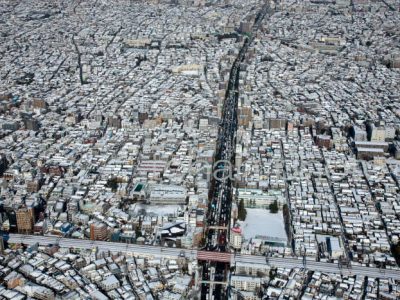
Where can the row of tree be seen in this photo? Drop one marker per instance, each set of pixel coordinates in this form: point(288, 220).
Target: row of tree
point(242, 213)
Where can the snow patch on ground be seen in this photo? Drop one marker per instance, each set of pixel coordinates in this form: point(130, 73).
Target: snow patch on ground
point(261, 222)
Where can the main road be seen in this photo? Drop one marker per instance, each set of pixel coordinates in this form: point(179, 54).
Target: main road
point(142, 250)
point(325, 267)
point(221, 187)
point(191, 254)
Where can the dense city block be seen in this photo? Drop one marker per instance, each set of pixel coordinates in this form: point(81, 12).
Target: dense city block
point(200, 149)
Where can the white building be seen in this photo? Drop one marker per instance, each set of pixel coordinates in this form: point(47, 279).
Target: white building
point(378, 134)
point(110, 283)
point(235, 237)
point(246, 283)
point(256, 198)
point(167, 194)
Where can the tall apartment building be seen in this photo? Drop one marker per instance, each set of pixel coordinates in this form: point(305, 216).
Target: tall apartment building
point(235, 237)
point(114, 121)
point(360, 134)
point(3, 164)
point(34, 185)
point(98, 231)
point(378, 134)
point(32, 124)
point(1, 244)
point(390, 133)
point(39, 103)
point(25, 220)
point(245, 115)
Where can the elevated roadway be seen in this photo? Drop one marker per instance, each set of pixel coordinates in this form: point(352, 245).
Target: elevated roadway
point(192, 254)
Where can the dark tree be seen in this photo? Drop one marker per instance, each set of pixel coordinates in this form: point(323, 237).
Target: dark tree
point(113, 184)
point(242, 213)
point(273, 207)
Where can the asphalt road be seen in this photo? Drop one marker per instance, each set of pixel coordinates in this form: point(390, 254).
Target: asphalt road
point(294, 262)
point(143, 250)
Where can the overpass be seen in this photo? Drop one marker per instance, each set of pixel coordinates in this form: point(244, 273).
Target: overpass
point(214, 256)
point(326, 267)
point(192, 254)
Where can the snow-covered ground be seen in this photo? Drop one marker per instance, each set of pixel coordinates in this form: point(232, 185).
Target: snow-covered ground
point(261, 222)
